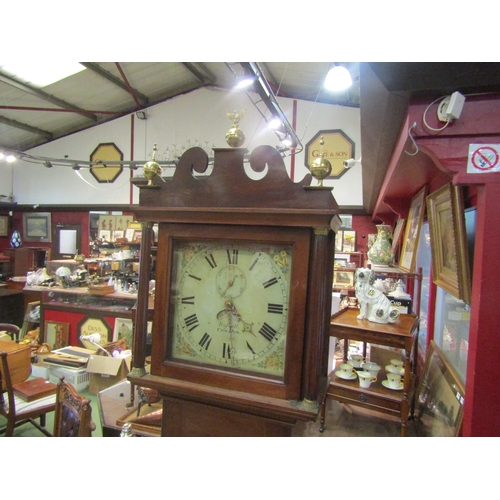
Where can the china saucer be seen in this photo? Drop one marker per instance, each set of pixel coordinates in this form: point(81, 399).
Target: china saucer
point(385, 383)
point(352, 377)
point(391, 369)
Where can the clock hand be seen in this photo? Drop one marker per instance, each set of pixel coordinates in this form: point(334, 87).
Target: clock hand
point(247, 327)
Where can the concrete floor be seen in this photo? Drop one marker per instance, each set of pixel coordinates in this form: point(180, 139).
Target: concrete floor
point(340, 421)
point(352, 421)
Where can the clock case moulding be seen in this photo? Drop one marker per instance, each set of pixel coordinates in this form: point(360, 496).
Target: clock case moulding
point(228, 205)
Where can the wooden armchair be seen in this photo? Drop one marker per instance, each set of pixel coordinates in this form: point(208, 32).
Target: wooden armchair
point(73, 417)
point(15, 367)
point(12, 330)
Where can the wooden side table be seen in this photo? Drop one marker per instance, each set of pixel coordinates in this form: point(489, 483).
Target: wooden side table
point(403, 335)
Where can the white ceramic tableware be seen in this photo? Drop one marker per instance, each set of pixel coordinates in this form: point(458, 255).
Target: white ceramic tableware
point(394, 369)
point(346, 370)
point(397, 363)
point(371, 367)
point(393, 380)
point(366, 378)
point(356, 360)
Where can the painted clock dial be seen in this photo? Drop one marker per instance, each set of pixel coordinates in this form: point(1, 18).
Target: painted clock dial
point(230, 304)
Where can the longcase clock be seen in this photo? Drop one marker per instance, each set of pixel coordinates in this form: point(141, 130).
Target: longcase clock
point(243, 290)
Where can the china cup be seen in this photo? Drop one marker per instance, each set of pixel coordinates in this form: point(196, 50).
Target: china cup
point(371, 367)
point(397, 363)
point(356, 360)
point(346, 370)
point(394, 369)
point(394, 380)
point(366, 378)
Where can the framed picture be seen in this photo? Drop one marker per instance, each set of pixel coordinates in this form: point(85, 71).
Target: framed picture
point(107, 222)
point(122, 222)
point(349, 241)
point(124, 329)
point(339, 262)
point(440, 397)
point(346, 221)
point(56, 334)
point(118, 235)
point(338, 241)
point(4, 225)
point(105, 234)
point(449, 251)
point(343, 279)
point(37, 227)
point(137, 236)
point(412, 231)
point(396, 235)
point(129, 234)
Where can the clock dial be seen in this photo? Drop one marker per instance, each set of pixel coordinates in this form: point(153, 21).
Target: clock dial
point(231, 305)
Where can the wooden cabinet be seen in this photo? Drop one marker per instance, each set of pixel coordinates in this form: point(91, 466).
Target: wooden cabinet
point(26, 259)
point(402, 335)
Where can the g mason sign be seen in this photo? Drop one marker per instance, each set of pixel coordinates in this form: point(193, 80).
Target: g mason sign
point(337, 148)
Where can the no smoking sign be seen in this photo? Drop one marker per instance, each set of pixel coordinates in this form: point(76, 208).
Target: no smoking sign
point(483, 158)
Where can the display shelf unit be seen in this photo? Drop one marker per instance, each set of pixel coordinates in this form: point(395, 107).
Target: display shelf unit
point(402, 335)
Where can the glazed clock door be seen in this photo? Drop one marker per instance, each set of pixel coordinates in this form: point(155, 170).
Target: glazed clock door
point(230, 315)
point(231, 305)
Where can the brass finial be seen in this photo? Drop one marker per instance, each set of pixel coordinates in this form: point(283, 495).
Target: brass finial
point(235, 137)
point(321, 167)
point(151, 168)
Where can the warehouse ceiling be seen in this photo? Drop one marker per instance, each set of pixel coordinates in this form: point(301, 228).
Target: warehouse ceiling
point(31, 116)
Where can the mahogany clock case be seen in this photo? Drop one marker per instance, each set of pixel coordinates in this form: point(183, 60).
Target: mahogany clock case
point(285, 385)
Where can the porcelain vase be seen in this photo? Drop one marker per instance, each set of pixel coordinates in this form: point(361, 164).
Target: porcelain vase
point(380, 252)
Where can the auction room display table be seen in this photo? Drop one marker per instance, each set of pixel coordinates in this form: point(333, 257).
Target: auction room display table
point(402, 335)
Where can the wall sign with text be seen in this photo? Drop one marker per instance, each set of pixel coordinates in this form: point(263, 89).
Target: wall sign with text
point(337, 148)
point(105, 154)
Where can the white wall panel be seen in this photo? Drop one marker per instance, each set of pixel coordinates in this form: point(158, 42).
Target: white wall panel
point(195, 118)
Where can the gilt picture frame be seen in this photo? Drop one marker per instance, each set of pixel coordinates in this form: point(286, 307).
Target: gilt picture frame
point(343, 278)
point(4, 225)
point(56, 334)
point(440, 397)
point(349, 240)
point(412, 231)
point(449, 251)
point(397, 234)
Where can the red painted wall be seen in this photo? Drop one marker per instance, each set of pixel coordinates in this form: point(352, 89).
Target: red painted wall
point(82, 218)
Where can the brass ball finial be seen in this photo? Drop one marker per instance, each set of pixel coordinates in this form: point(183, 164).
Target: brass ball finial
point(151, 168)
point(235, 136)
point(321, 168)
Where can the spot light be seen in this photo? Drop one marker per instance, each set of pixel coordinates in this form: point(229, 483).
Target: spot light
point(275, 123)
point(338, 78)
point(47, 164)
point(244, 82)
point(75, 166)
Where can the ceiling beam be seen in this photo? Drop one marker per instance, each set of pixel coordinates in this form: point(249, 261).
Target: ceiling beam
point(46, 97)
point(203, 75)
point(28, 128)
point(116, 81)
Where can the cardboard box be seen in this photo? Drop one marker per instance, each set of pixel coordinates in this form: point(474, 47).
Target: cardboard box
point(106, 371)
point(40, 368)
point(402, 305)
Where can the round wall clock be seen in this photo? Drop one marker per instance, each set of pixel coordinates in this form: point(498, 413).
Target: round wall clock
point(230, 304)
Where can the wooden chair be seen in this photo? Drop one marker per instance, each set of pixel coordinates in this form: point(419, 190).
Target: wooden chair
point(12, 330)
point(15, 367)
point(73, 416)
